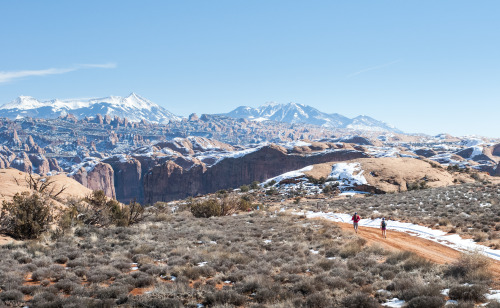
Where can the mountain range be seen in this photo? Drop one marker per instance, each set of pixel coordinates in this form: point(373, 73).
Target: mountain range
point(136, 108)
point(133, 107)
point(299, 113)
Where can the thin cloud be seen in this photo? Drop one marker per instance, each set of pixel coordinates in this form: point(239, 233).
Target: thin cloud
point(14, 75)
point(377, 67)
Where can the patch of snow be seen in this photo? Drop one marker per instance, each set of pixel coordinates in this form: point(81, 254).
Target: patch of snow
point(476, 151)
point(394, 303)
point(88, 164)
point(493, 295)
point(298, 143)
point(348, 174)
point(288, 175)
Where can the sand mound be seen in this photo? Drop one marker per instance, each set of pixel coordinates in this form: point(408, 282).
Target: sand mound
point(14, 181)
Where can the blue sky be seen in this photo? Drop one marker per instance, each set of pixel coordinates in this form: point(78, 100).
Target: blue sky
point(423, 66)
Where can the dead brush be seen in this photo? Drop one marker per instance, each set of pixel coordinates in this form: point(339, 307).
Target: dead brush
point(471, 267)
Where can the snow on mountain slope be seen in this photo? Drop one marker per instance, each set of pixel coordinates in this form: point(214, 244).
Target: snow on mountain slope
point(133, 107)
point(299, 113)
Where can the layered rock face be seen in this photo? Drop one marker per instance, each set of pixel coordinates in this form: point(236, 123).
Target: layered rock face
point(127, 178)
point(170, 181)
point(101, 177)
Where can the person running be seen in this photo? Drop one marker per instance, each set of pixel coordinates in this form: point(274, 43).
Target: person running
point(355, 219)
point(383, 227)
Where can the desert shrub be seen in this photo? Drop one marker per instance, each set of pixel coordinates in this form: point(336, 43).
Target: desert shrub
point(244, 188)
point(142, 280)
point(416, 262)
point(65, 285)
point(271, 191)
point(11, 295)
point(417, 185)
point(97, 209)
point(26, 216)
point(223, 204)
point(359, 300)
point(351, 248)
point(61, 259)
point(318, 300)
point(480, 236)
point(40, 274)
point(396, 257)
point(148, 302)
point(206, 208)
point(468, 292)
point(224, 297)
point(419, 290)
point(471, 267)
point(254, 185)
point(113, 291)
point(426, 301)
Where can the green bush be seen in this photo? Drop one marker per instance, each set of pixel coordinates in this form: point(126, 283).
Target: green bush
point(206, 208)
point(26, 216)
point(220, 205)
point(244, 188)
point(254, 185)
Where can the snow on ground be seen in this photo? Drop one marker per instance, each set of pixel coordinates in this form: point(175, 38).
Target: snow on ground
point(88, 163)
point(235, 154)
point(348, 174)
point(383, 152)
point(453, 241)
point(288, 175)
point(298, 143)
point(493, 295)
point(394, 303)
point(476, 151)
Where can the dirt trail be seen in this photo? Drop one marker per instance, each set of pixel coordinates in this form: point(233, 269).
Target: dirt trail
point(430, 250)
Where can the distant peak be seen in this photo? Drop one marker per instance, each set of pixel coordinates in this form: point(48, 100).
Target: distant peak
point(271, 104)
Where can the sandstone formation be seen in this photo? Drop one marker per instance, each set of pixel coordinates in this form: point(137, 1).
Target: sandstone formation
point(100, 177)
point(169, 181)
point(127, 178)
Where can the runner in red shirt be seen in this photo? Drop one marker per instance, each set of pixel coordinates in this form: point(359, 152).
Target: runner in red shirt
point(355, 219)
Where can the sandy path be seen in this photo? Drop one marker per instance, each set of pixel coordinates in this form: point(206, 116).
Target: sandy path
point(430, 250)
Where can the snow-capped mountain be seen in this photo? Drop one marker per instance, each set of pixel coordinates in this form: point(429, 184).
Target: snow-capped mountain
point(133, 107)
point(299, 113)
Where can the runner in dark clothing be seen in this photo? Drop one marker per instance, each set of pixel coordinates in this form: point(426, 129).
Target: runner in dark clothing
point(383, 227)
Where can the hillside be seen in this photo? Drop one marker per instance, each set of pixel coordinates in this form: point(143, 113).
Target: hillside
point(14, 181)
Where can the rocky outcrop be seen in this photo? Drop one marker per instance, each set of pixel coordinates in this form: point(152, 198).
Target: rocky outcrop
point(425, 152)
point(497, 171)
point(470, 153)
point(40, 164)
point(170, 181)
point(22, 163)
point(496, 150)
point(100, 177)
point(127, 178)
